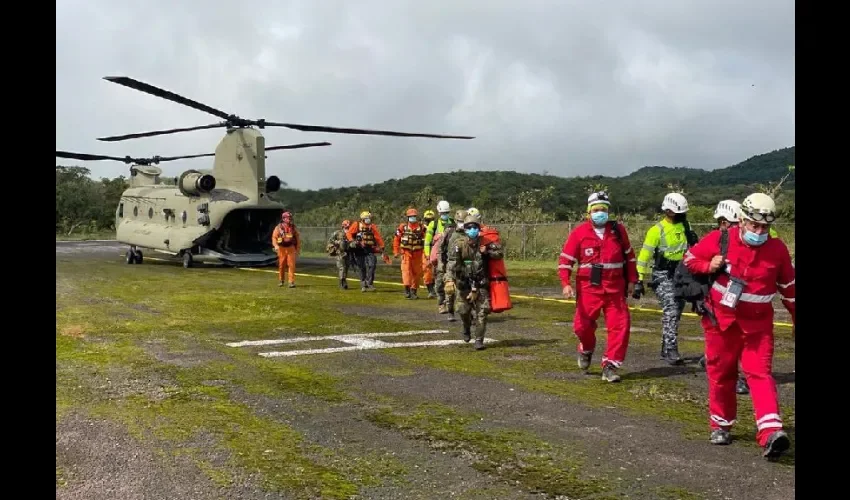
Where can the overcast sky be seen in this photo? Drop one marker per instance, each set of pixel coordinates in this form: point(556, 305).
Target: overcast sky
point(572, 87)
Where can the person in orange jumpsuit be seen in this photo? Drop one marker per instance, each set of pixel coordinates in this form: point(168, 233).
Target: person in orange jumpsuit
point(287, 243)
point(607, 274)
point(427, 269)
point(409, 240)
point(366, 241)
point(739, 321)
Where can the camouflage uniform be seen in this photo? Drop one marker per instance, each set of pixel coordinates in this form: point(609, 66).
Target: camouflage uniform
point(466, 266)
point(338, 247)
point(671, 309)
point(449, 237)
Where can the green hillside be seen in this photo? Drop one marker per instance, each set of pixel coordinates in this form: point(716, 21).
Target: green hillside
point(639, 192)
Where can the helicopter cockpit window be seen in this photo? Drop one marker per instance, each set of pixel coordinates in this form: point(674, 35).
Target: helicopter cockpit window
point(121, 210)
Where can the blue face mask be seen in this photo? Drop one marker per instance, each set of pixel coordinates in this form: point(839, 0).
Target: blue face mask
point(599, 218)
point(444, 216)
point(472, 232)
point(411, 219)
point(755, 239)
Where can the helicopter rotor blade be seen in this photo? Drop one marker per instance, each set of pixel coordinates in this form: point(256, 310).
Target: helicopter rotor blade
point(115, 138)
point(299, 146)
point(88, 157)
point(360, 131)
point(165, 94)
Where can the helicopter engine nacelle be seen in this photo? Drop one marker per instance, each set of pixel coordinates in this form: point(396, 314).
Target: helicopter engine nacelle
point(194, 183)
point(273, 184)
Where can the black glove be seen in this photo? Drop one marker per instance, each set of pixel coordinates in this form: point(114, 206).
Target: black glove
point(638, 290)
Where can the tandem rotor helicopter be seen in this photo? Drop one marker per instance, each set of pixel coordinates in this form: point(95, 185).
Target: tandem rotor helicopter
point(222, 215)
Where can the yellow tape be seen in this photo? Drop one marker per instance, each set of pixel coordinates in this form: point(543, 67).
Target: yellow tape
point(513, 296)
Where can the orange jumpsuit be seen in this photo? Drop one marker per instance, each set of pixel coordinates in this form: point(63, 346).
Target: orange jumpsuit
point(287, 243)
point(427, 270)
point(410, 239)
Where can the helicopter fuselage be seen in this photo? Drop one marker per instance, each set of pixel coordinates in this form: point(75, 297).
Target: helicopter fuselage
point(223, 214)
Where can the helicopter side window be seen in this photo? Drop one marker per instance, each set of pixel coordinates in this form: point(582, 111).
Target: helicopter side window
point(121, 210)
point(150, 213)
point(135, 211)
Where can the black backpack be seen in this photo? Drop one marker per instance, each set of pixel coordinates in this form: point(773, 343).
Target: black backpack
point(694, 288)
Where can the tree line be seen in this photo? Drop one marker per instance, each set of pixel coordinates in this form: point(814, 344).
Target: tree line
point(85, 205)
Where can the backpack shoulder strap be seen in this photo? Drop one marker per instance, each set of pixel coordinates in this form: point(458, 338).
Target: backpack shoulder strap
point(724, 242)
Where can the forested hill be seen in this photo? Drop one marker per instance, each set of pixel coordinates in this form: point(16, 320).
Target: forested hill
point(638, 192)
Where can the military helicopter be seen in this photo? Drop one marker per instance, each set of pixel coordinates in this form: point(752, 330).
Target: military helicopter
point(155, 205)
point(221, 215)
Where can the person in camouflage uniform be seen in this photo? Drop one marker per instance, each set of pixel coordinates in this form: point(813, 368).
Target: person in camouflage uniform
point(338, 247)
point(447, 239)
point(466, 277)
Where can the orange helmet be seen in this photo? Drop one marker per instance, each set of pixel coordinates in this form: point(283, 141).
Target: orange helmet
point(346, 224)
point(411, 212)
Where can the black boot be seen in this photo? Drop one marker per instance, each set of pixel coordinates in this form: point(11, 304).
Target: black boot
point(431, 291)
point(673, 356)
point(777, 444)
point(479, 344)
point(407, 292)
point(467, 334)
point(742, 387)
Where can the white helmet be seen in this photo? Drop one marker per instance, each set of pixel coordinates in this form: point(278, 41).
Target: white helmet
point(758, 207)
point(473, 212)
point(598, 198)
point(675, 202)
point(443, 207)
point(729, 210)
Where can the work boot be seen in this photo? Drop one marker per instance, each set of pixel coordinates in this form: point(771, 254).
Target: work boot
point(443, 309)
point(584, 360)
point(407, 292)
point(371, 287)
point(280, 283)
point(479, 344)
point(720, 436)
point(363, 288)
point(742, 387)
point(432, 293)
point(673, 356)
point(467, 334)
point(414, 293)
point(291, 285)
point(343, 284)
point(777, 444)
point(702, 362)
point(609, 373)
point(452, 316)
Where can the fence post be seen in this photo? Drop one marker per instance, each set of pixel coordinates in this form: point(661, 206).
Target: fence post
point(523, 241)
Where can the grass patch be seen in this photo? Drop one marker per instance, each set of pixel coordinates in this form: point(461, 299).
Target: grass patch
point(511, 455)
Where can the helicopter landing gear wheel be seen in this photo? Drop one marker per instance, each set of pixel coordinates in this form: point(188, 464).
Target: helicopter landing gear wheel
point(139, 257)
point(187, 260)
point(130, 257)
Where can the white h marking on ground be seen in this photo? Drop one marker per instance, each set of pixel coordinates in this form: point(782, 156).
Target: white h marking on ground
point(357, 341)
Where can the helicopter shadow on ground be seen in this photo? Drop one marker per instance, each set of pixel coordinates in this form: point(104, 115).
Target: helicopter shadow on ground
point(689, 366)
point(520, 342)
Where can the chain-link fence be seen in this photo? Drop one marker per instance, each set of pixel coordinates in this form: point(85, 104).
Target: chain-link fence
point(531, 241)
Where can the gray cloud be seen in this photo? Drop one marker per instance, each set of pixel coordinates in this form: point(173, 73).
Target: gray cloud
point(572, 87)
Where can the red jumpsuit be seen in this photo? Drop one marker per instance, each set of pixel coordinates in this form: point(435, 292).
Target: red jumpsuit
point(585, 247)
point(745, 332)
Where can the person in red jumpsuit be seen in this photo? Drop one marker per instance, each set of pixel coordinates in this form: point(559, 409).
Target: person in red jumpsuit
point(607, 273)
point(739, 324)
